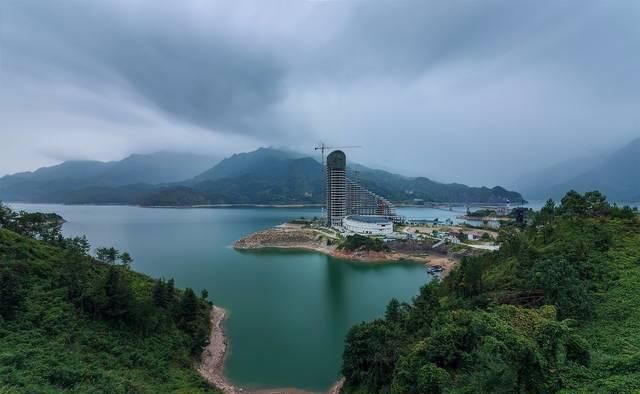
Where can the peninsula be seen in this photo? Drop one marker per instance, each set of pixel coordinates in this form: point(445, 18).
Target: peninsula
point(327, 241)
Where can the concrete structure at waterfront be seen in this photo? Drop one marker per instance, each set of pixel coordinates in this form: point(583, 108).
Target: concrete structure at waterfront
point(336, 188)
point(368, 224)
point(346, 197)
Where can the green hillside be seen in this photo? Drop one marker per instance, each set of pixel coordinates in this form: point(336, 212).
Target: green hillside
point(554, 310)
point(244, 163)
point(264, 176)
point(95, 182)
point(71, 323)
point(270, 176)
point(399, 188)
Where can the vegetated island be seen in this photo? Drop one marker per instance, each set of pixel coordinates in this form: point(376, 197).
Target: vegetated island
point(301, 235)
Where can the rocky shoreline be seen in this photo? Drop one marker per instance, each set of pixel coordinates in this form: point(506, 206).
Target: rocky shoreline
point(297, 237)
point(212, 360)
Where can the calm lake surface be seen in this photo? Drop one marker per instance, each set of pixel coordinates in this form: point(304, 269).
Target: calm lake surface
point(288, 311)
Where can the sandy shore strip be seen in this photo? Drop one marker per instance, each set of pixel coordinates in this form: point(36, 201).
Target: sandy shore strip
point(212, 359)
point(211, 366)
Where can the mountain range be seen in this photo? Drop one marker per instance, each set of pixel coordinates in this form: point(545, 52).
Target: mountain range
point(264, 176)
point(615, 174)
point(102, 182)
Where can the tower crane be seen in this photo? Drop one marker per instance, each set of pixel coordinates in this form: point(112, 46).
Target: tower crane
point(322, 147)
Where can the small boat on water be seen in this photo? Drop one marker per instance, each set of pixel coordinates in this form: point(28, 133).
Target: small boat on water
point(434, 269)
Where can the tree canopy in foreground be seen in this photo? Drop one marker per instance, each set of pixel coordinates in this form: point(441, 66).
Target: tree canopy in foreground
point(554, 310)
point(73, 323)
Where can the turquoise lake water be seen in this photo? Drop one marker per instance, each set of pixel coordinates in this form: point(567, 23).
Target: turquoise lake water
point(289, 311)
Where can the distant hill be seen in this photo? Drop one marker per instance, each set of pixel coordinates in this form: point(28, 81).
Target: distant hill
point(536, 183)
point(155, 168)
point(244, 163)
point(264, 176)
point(271, 176)
point(97, 182)
point(399, 188)
point(617, 175)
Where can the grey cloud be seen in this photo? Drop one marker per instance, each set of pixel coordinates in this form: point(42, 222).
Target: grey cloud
point(470, 91)
point(209, 79)
point(479, 91)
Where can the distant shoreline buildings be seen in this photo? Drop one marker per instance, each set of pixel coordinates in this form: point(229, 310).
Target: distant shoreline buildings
point(345, 197)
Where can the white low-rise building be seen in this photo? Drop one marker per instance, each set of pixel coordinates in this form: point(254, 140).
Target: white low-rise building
point(368, 224)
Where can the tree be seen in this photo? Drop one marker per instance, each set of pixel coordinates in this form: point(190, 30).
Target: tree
point(7, 216)
point(424, 309)
point(111, 298)
point(414, 375)
point(10, 294)
point(171, 289)
point(562, 287)
point(466, 281)
point(573, 204)
point(107, 255)
point(392, 314)
point(79, 245)
point(549, 207)
point(597, 204)
point(370, 353)
point(74, 276)
point(189, 308)
point(204, 294)
point(626, 212)
point(160, 295)
point(192, 320)
point(126, 259)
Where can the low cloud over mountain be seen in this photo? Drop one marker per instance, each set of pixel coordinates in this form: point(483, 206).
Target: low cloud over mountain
point(467, 91)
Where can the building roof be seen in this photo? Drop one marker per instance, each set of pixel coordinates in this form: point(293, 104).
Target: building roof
point(337, 160)
point(369, 218)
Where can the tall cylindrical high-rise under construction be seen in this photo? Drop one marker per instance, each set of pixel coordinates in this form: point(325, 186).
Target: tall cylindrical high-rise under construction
point(336, 188)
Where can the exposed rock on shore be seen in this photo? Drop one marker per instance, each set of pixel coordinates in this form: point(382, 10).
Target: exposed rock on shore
point(212, 358)
point(283, 237)
point(290, 236)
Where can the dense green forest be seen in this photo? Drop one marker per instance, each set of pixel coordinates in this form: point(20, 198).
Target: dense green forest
point(554, 310)
point(70, 322)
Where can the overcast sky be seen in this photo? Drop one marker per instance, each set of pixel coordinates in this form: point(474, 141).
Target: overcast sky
point(474, 91)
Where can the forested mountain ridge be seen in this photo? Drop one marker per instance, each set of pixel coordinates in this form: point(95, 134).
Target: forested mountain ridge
point(246, 163)
point(264, 176)
point(554, 310)
point(271, 176)
point(399, 188)
point(83, 180)
point(70, 322)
